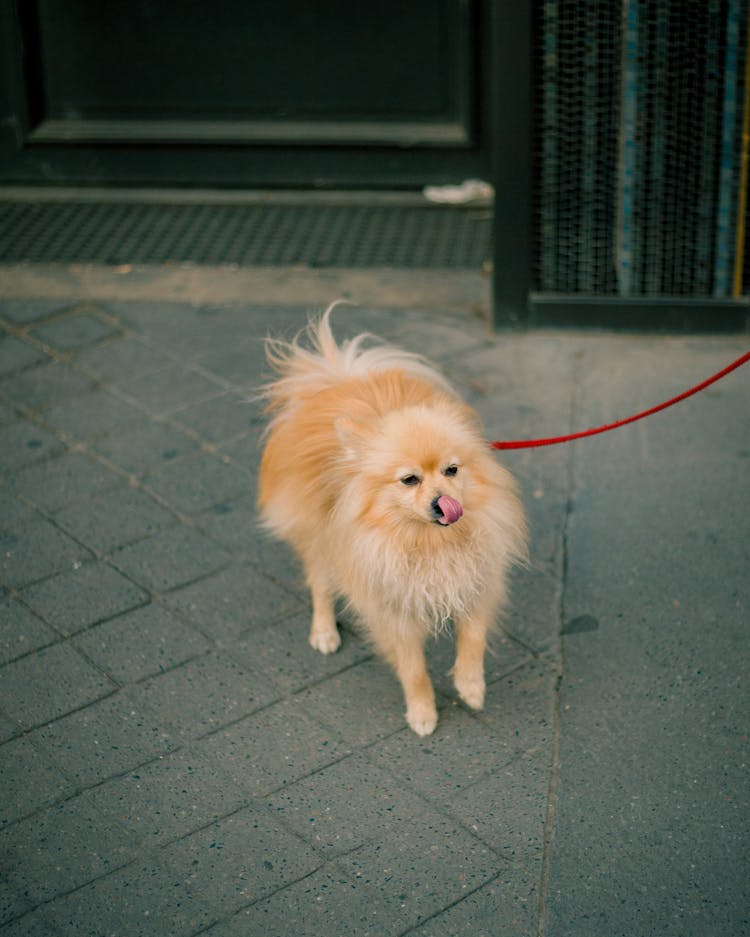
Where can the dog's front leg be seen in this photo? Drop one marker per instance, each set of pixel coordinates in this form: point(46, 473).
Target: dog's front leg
point(406, 654)
point(468, 670)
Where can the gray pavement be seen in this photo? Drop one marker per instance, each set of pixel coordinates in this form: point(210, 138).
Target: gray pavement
point(175, 759)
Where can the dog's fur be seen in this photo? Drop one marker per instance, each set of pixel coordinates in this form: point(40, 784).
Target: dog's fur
point(354, 464)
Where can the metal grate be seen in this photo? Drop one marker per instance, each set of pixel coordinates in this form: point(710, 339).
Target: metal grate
point(638, 116)
point(246, 235)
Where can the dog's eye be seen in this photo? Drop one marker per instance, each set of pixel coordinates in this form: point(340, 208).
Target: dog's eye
point(451, 471)
point(410, 480)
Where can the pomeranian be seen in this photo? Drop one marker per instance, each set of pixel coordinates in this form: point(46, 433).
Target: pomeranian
point(378, 476)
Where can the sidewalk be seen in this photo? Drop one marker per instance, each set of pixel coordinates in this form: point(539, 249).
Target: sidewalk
point(175, 759)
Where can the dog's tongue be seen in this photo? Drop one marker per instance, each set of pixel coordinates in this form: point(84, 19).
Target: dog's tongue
point(451, 509)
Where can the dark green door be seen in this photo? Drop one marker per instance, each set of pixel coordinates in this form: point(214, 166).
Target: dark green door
point(294, 92)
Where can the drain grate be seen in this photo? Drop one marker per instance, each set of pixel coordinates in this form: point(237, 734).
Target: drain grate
point(245, 235)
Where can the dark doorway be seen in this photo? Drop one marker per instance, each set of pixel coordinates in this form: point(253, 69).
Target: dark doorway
point(243, 94)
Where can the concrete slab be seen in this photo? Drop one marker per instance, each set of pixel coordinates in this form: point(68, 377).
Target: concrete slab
point(651, 828)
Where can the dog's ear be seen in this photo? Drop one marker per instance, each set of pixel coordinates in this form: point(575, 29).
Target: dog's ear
point(353, 435)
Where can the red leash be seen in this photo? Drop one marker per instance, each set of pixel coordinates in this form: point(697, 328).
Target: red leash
point(553, 440)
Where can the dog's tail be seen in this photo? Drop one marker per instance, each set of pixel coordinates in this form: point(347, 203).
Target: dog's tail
point(313, 360)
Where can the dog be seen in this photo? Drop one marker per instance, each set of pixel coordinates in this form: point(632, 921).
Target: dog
point(378, 476)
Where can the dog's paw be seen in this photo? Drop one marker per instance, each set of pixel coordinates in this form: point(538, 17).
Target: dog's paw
point(422, 719)
point(327, 642)
point(471, 691)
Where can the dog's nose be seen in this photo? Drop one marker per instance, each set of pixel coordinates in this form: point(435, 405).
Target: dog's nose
point(436, 509)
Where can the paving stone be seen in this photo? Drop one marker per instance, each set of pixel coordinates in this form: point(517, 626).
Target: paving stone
point(70, 477)
point(385, 887)
point(116, 518)
point(170, 558)
point(235, 525)
point(380, 703)
point(179, 327)
point(322, 904)
point(29, 780)
point(207, 333)
point(505, 907)
point(228, 603)
point(145, 317)
point(82, 327)
point(20, 631)
point(45, 385)
point(14, 513)
point(194, 484)
point(246, 450)
point(273, 748)
point(8, 414)
point(439, 341)
point(108, 737)
point(430, 864)
point(168, 798)
point(138, 900)
point(76, 599)
point(281, 653)
point(49, 683)
point(507, 809)
point(513, 390)
point(22, 443)
point(8, 728)
point(346, 805)
point(13, 908)
point(141, 643)
point(241, 364)
point(521, 706)
point(34, 924)
point(122, 360)
point(144, 444)
point(23, 311)
point(61, 848)
point(220, 418)
point(463, 749)
point(545, 498)
point(92, 415)
point(222, 929)
point(15, 355)
point(205, 694)
point(36, 550)
point(238, 860)
point(171, 389)
point(536, 621)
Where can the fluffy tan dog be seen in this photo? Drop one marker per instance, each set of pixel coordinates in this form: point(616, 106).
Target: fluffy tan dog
point(379, 477)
